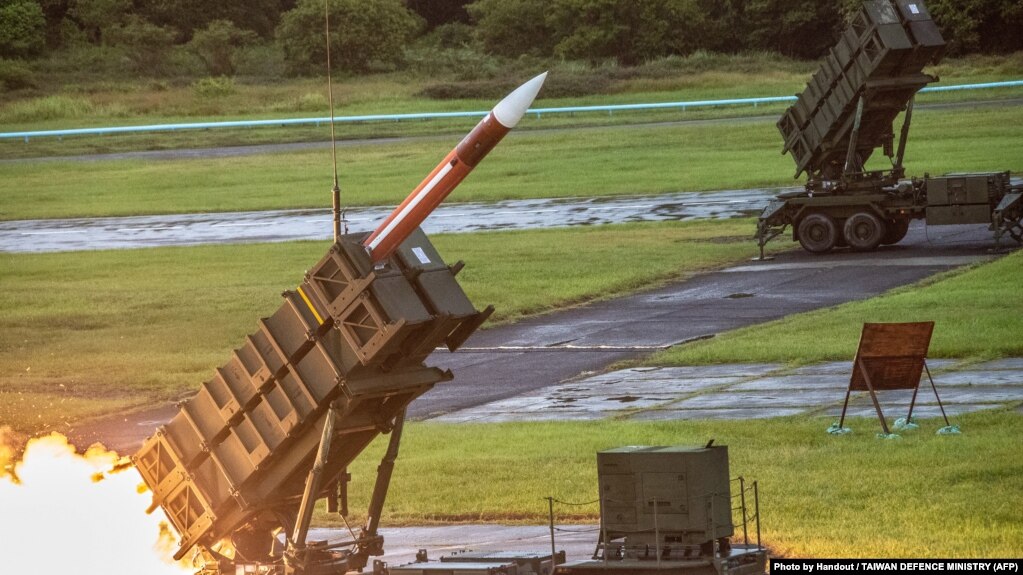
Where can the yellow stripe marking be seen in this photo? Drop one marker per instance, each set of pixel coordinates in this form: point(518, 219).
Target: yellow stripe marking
point(310, 304)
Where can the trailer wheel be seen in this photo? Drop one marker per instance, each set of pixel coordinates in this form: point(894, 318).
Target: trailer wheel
point(817, 233)
point(864, 231)
point(896, 230)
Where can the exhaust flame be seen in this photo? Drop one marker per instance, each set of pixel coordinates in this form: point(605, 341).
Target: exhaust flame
point(61, 512)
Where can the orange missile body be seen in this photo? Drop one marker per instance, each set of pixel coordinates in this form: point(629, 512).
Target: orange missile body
point(452, 170)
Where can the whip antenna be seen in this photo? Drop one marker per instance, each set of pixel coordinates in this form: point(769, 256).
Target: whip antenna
point(335, 192)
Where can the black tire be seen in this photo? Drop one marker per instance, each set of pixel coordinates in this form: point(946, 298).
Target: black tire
point(863, 231)
point(896, 231)
point(817, 233)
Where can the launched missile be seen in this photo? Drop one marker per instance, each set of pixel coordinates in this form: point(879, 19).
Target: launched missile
point(452, 170)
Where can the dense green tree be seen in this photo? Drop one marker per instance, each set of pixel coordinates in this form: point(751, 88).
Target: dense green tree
point(513, 27)
point(186, 16)
point(364, 34)
point(55, 12)
point(440, 12)
point(217, 43)
point(629, 32)
point(979, 25)
point(96, 16)
point(795, 28)
point(146, 45)
point(22, 28)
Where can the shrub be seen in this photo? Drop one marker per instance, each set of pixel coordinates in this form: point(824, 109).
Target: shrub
point(48, 108)
point(308, 102)
point(261, 60)
point(15, 75)
point(211, 88)
point(97, 16)
point(217, 43)
point(451, 35)
point(513, 27)
point(464, 63)
point(147, 46)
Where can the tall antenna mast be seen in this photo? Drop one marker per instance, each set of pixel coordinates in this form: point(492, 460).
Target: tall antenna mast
point(335, 192)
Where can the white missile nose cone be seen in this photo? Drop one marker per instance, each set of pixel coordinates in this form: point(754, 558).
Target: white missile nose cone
point(511, 109)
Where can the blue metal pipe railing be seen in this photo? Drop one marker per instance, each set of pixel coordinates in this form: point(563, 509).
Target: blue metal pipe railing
point(538, 112)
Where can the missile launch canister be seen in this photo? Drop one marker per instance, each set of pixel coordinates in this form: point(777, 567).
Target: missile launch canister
point(452, 170)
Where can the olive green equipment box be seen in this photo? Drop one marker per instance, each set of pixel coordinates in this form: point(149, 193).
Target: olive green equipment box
point(238, 469)
point(671, 510)
point(846, 113)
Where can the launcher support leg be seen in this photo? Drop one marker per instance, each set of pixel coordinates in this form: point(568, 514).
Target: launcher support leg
point(295, 554)
point(369, 542)
point(851, 162)
point(903, 136)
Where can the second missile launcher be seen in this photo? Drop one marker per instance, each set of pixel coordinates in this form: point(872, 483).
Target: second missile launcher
point(846, 113)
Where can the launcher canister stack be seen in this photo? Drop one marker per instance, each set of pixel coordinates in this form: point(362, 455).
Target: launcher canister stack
point(882, 52)
point(352, 337)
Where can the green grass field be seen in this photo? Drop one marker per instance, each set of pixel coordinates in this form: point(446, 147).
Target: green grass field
point(87, 333)
point(573, 163)
point(821, 496)
point(976, 312)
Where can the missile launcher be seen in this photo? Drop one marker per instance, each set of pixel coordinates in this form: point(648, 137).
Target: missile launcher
point(345, 350)
point(846, 113)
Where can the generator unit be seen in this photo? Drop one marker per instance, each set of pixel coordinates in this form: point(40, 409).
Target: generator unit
point(670, 510)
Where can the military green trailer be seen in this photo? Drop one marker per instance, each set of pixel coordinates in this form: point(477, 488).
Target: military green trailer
point(846, 113)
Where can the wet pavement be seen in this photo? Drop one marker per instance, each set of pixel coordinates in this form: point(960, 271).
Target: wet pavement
point(750, 391)
point(289, 225)
point(515, 362)
point(401, 543)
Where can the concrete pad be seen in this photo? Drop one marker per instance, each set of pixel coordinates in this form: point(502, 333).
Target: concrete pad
point(611, 402)
point(741, 413)
point(1007, 363)
point(978, 377)
point(845, 367)
point(835, 383)
point(827, 368)
point(949, 395)
point(920, 411)
point(797, 399)
point(940, 364)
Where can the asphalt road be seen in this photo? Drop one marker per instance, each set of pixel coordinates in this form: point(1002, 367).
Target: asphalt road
point(510, 360)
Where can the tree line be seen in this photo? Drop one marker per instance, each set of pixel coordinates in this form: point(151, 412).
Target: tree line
point(378, 34)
